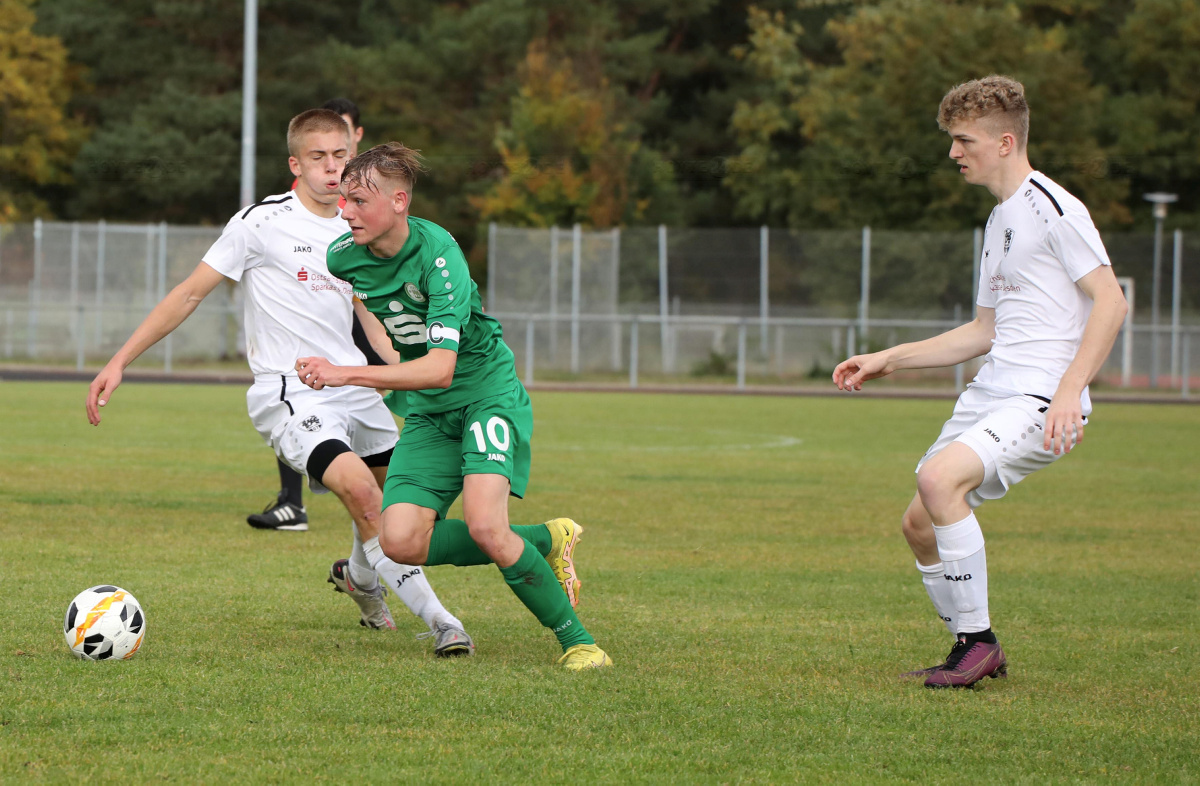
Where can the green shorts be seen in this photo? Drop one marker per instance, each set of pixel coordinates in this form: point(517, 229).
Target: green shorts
point(435, 451)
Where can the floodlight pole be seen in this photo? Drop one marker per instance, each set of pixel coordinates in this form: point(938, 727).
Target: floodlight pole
point(249, 99)
point(1160, 202)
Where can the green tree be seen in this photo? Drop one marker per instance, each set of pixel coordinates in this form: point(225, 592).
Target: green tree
point(856, 141)
point(164, 95)
point(568, 157)
point(1155, 113)
point(38, 139)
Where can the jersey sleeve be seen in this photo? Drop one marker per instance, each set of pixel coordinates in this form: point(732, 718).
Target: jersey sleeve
point(448, 282)
point(1076, 244)
point(238, 249)
point(985, 297)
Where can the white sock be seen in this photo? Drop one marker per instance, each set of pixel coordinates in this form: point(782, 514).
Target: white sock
point(960, 545)
point(361, 572)
point(938, 589)
point(409, 584)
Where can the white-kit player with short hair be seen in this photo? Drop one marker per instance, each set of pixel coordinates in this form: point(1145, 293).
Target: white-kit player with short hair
point(1049, 309)
point(342, 438)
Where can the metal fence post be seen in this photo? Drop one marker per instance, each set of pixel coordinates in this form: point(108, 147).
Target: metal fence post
point(865, 288)
point(73, 298)
point(779, 350)
point(79, 336)
point(1154, 300)
point(1176, 286)
point(741, 355)
point(529, 353)
point(1185, 389)
point(101, 231)
point(162, 289)
point(148, 295)
point(35, 289)
point(576, 267)
point(491, 266)
point(633, 353)
point(764, 272)
point(663, 307)
point(554, 294)
point(616, 288)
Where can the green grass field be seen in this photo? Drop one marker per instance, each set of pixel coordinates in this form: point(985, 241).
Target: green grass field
point(743, 565)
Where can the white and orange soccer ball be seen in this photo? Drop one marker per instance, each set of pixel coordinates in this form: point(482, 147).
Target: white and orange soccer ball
point(104, 623)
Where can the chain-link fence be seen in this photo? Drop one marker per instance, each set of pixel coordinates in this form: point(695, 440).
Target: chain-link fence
point(79, 290)
point(763, 304)
point(774, 303)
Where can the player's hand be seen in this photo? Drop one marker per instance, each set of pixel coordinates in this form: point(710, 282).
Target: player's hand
point(101, 390)
point(319, 373)
point(1064, 424)
point(852, 372)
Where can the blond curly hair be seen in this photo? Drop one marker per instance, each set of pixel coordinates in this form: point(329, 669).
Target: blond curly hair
point(998, 101)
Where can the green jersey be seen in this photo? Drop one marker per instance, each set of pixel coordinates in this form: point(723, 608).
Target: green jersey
point(426, 299)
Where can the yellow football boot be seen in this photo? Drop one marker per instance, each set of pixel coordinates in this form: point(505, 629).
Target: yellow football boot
point(564, 535)
point(584, 656)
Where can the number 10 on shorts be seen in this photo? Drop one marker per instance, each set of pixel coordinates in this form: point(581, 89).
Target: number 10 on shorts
point(497, 436)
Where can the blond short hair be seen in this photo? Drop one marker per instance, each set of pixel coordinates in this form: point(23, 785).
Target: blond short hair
point(391, 160)
point(312, 121)
point(998, 101)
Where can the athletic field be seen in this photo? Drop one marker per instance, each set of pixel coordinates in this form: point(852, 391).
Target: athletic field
point(742, 563)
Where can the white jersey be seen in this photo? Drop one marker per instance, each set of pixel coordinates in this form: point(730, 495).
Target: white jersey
point(1037, 244)
point(293, 307)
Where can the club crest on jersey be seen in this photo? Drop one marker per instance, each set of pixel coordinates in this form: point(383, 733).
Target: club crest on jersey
point(1008, 236)
point(302, 275)
point(311, 423)
point(413, 293)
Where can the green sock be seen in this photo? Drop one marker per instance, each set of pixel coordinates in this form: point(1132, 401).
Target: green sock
point(451, 543)
point(533, 582)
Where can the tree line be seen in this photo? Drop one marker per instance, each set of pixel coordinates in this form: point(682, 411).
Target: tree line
point(811, 114)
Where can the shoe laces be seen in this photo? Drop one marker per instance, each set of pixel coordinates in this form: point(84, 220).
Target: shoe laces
point(437, 628)
point(957, 653)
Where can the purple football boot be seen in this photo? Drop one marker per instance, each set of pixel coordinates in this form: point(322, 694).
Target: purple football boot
point(968, 663)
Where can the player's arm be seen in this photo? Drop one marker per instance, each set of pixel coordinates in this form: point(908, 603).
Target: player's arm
point(948, 349)
point(376, 333)
point(429, 372)
point(1099, 333)
point(169, 314)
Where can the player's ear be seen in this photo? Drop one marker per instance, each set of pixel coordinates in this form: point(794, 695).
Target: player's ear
point(400, 201)
point(1008, 143)
point(294, 165)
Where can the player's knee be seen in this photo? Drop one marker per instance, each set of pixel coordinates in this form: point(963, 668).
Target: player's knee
point(487, 531)
point(934, 486)
point(365, 495)
point(406, 539)
point(397, 546)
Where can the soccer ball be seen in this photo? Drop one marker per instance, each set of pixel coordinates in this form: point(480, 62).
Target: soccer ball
point(104, 623)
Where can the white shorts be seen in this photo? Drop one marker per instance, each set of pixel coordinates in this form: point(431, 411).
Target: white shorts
point(1006, 432)
point(294, 419)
